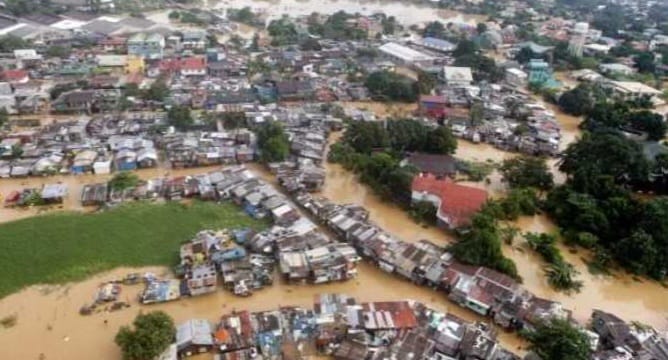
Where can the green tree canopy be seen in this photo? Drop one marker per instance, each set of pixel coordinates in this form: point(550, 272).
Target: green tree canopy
point(558, 340)
point(577, 101)
point(527, 171)
point(124, 180)
point(600, 159)
point(158, 91)
point(152, 334)
point(180, 117)
point(273, 142)
point(391, 86)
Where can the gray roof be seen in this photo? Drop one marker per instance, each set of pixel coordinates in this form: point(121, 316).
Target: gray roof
point(25, 31)
point(101, 27)
point(195, 331)
point(138, 23)
point(5, 23)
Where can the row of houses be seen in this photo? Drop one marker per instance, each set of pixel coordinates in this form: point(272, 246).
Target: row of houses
point(342, 328)
point(480, 289)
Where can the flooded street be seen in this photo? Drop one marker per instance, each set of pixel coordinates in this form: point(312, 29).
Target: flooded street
point(52, 320)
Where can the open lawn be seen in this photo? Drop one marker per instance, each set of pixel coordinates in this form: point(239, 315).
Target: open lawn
point(62, 247)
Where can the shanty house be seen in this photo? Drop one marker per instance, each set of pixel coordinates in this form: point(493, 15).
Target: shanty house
point(194, 337)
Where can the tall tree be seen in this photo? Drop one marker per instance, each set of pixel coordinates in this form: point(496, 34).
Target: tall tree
point(180, 117)
point(527, 171)
point(152, 334)
point(558, 340)
point(273, 142)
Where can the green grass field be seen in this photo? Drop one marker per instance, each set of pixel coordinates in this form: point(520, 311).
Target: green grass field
point(62, 247)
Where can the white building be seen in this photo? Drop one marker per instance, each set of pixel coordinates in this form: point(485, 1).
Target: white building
point(516, 77)
point(616, 68)
point(457, 76)
point(631, 90)
point(404, 54)
point(577, 41)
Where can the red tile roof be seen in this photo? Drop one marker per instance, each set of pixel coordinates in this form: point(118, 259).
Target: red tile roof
point(193, 63)
point(14, 75)
point(458, 202)
point(439, 99)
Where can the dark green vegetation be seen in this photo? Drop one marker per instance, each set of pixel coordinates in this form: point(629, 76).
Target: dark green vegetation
point(151, 335)
point(244, 15)
point(601, 113)
point(180, 117)
point(63, 247)
point(559, 340)
point(272, 142)
point(483, 68)
point(124, 180)
point(481, 243)
point(595, 207)
point(374, 151)
point(282, 32)
point(527, 171)
point(560, 274)
point(337, 27)
point(389, 86)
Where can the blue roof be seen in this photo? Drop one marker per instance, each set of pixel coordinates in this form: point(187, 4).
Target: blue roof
point(436, 42)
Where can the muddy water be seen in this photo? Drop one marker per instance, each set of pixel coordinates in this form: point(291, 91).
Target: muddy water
point(52, 321)
point(405, 12)
point(644, 301)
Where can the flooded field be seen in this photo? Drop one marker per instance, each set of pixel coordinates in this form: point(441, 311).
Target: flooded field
point(405, 12)
point(49, 316)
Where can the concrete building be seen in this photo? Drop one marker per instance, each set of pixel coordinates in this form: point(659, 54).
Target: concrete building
point(516, 77)
point(403, 54)
point(457, 76)
point(578, 38)
point(146, 45)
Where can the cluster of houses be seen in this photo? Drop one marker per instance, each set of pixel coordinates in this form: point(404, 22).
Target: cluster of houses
point(108, 143)
point(210, 258)
point(482, 290)
point(342, 328)
point(244, 260)
point(496, 114)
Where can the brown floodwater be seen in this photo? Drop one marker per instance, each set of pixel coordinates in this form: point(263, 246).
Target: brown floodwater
point(48, 320)
point(48, 315)
point(633, 300)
